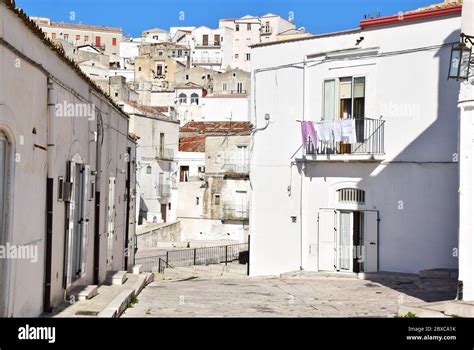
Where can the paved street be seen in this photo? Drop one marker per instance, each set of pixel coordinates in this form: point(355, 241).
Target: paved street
point(309, 295)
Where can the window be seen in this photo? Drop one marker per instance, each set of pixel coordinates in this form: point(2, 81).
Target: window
point(194, 98)
point(224, 86)
point(237, 27)
point(217, 40)
point(114, 41)
point(148, 169)
point(249, 26)
point(78, 37)
point(169, 206)
point(180, 53)
point(184, 173)
point(86, 38)
point(97, 41)
point(60, 188)
point(197, 200)
point(351, 195)
point(160, 53)
point(182, 98)
point(186, 77)
point(159, 69)
point(66, 37)
point(236, 55)
point(350, 100)
point(217, 199)
point(53, 36)
point(239, 88)
point(205, 40)
point(247, 57)
point(162, 145)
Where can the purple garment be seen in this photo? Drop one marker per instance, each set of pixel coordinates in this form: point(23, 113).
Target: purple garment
point(307, 129)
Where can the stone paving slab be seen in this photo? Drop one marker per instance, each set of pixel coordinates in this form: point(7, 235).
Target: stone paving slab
point(326, 296)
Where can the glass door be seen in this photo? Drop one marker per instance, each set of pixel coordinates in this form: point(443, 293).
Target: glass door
point(344, 242)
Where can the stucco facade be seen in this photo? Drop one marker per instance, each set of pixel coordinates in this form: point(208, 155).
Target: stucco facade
point(407, 176)
point(63, 171)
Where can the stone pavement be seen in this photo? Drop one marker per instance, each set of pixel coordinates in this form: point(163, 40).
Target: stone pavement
point(294, 295)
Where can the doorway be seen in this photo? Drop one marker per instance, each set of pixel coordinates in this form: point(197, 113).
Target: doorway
point(163, 212)
point(347, 241)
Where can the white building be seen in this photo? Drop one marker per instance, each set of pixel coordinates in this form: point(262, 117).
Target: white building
point(67, 174)
point(388, 200)
point(156, 35)
point(211, 48)
point(466, 157)
point(157, 146)
point(250, 30)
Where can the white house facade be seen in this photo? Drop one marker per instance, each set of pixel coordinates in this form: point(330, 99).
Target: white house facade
point(379, 190)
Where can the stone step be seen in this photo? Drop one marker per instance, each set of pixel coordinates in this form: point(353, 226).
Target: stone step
point(116, 277)
point(421, 310)
point(460, 308)
point(118, 305)
point(81, 293)
point(137, 269)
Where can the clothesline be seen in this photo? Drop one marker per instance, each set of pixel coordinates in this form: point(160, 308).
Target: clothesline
point(342, 130)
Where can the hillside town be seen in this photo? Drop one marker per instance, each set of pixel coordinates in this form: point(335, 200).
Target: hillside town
point(246, 151)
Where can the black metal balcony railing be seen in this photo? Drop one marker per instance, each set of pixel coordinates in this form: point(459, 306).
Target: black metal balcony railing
point(208, 44)
point(369, 140)
point(207, 60)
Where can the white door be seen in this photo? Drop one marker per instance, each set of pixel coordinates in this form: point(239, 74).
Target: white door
point(86, 171)
point(327, 240)
point(70, 222)
point(345, 246)
point(242, 159)
point(111, 223)
point(370, 249)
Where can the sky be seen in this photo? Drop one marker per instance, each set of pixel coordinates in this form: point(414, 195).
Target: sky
point(134, 16)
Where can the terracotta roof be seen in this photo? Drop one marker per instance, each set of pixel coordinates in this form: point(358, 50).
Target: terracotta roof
point(440, 9)
point(83, 27)
point(192, 144)
point(148, 109)
point(217, 128)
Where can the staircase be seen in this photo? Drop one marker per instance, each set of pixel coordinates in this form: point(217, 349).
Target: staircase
point(231, 270)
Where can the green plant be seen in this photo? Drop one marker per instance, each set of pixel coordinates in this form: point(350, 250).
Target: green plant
point(133, 301)
point(409, 315)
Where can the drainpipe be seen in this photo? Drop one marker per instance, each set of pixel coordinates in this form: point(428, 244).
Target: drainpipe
point(303, 164)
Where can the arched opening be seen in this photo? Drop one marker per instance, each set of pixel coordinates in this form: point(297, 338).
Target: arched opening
point(182, 98)
point(194, 98)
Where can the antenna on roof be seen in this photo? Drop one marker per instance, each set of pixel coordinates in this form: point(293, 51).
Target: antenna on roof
point(372, 15)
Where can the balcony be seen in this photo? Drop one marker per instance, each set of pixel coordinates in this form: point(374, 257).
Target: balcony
point(166, 154)
point(234, 92)
point(236, 168)
point(208, 45)
point(266, 31)
point(235, 212)
point(164, 190)
point(369, 145)
point(207, 60)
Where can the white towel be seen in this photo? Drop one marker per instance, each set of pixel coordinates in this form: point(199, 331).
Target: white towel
point(337, 130)
point(348, 132)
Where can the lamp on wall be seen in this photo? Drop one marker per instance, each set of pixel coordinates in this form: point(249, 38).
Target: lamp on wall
point(461, 58)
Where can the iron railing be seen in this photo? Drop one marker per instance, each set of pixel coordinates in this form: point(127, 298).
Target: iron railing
point(236, 166)
point(191, 257)
point(369, 140)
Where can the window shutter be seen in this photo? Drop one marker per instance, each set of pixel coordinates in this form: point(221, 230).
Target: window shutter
point(329, 100)
point(359, 87)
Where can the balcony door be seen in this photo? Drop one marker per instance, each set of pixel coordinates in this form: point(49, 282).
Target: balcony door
point(242, 159)
point(241, 204)
point(111, 224)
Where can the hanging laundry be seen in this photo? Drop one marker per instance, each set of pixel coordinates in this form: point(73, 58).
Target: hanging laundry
point(324, 131)
point(312, 134)
point(348, 132)
point(337, 130)
point(307, 129)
